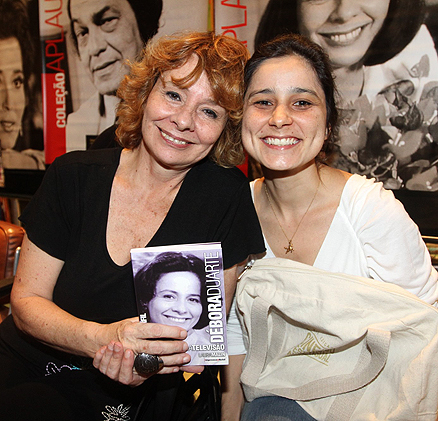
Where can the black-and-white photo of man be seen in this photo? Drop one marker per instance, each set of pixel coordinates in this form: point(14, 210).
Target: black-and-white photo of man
point(105, 34)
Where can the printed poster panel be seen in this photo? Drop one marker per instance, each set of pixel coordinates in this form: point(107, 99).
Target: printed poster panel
point(21, 134)
point(183, 285)
point(386, 69)
point(238, 19)
point(55, 76)
point(84, 49)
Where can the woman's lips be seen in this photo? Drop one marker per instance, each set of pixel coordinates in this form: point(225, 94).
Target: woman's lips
point(105, 67)
point(343, 38)
point(172, 140)
point(7, 126)
point(177, 319)
point(280, 141)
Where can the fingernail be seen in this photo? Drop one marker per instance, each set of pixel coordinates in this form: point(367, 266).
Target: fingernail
point(183, 334)
point(111, 346)
point(186, 359)
point(117, 347)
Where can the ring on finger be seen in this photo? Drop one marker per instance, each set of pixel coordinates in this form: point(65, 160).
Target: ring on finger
point(147, 363)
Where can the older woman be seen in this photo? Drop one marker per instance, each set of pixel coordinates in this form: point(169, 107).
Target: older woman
point(309, 212)
point(17, 132)
point(74, 290)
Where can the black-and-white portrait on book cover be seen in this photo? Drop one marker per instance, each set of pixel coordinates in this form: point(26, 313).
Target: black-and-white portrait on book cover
point(185, 289)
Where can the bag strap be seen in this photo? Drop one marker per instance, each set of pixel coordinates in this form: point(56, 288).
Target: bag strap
point(371, 361)
point(258, 344)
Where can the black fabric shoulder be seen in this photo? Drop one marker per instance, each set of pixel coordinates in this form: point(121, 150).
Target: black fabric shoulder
point(90, 157)
point(107, 139)
point(58, 206)
point(421, 207)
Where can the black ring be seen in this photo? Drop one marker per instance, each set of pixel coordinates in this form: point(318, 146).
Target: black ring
point(147, 363)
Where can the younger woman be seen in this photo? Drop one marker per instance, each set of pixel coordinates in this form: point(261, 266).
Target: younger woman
point(310, 212)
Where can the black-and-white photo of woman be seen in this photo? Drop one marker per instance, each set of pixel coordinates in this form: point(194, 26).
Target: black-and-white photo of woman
point(171, 291)
point(21, 143)
point(386, 70)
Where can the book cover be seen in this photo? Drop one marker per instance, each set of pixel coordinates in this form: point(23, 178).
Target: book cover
point(183, 285)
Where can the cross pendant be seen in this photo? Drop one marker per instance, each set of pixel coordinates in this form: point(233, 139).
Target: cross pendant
point(289, 248)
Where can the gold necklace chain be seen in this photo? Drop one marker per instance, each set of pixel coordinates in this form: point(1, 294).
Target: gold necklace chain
point(290, 247)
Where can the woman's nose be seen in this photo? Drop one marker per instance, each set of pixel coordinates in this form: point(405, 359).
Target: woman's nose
point(5, 98)
point(12, 98)
point(179, 306)
point(280, 117)
point(345, 10)
point(183, 118)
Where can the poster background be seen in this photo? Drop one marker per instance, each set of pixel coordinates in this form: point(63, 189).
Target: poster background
point(392, 140)
point(54, 23)
point(172, 19)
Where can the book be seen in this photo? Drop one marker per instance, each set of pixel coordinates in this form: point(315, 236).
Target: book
point(183, 285)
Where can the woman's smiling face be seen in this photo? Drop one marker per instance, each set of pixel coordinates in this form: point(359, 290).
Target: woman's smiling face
point(12, 95)
point(344, 28)
point(181, 125)
point(284, 117)
point(177, 300)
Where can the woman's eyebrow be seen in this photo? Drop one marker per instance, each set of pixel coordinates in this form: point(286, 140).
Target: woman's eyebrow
point(169, 83)
point(166, 290)
point(292, 90)
point(261, 91)
point(298, 90)
point(96, 17)
point(171, 291)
